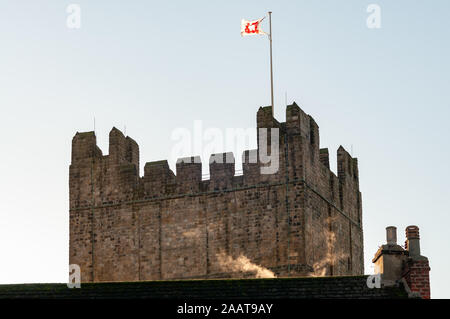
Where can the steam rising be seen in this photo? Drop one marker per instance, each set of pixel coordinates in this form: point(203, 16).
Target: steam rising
point(243, 264)
point(331, 258)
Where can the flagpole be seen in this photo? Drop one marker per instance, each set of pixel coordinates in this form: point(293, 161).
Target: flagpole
point(271, 70)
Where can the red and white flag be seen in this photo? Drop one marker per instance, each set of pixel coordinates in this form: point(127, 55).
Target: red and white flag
point(251, 27)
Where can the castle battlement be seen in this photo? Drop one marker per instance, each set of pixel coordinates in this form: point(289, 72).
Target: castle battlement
point(159, 179)
point(293, 206)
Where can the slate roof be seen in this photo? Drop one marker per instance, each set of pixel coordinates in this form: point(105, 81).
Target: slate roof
point(348, 287)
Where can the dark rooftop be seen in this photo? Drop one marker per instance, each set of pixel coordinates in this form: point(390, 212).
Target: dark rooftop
point(351, 287)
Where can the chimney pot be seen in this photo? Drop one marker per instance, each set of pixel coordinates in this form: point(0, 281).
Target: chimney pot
point(412, 232)
point(391, 235)
point(412, 243)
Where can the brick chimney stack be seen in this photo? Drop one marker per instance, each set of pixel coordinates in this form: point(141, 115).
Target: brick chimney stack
point(417, 269)
point(397, 265)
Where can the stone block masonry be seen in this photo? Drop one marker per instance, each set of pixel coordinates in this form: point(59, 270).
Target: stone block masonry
point(302, 220)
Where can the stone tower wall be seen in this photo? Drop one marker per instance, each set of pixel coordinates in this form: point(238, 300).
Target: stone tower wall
point(301, 220)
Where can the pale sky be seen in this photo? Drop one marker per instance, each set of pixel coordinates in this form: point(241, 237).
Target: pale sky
point(155, 66)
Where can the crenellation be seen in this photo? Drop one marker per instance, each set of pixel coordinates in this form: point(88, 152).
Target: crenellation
point(157, 177)
point(250, 167)
point(117, 146)
point(314, 138)
point(264, 118)
point(189, 174)
point(345, 164)
point(128, 179)
point(355, 170)
point(84, 146)
point(324, 157)
point(132, 152)
point(221, 171)
point(304, 121)
point(293, 119)
point(348, 178)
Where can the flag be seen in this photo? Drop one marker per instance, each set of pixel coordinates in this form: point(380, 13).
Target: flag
point(251, 27)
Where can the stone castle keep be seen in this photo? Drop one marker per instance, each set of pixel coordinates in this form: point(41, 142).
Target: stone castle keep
point(302, 220)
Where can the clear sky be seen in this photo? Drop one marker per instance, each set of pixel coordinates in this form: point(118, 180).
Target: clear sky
point(154, 66)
